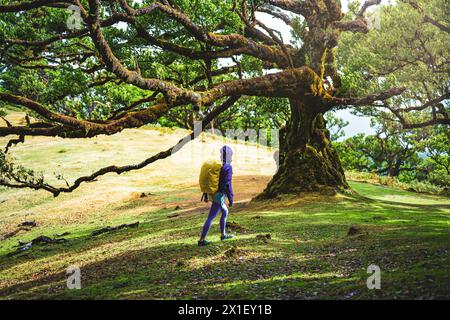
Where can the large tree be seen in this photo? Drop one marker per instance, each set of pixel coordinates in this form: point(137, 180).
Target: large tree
point(132, 64)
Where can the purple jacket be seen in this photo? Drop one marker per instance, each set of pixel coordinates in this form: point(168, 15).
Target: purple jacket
point(225, 184)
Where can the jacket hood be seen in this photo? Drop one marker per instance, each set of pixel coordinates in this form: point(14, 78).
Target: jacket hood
point(226, 154)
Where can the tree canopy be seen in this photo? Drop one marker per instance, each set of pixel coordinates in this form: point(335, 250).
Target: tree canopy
point(130, 64)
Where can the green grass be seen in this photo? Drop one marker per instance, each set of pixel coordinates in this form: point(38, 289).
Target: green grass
point(309, 255)
point(415, 186)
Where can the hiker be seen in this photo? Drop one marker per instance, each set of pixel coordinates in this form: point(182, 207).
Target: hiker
point(225, 190)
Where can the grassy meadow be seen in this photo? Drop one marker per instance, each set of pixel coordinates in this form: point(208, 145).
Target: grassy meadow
point(295, 247)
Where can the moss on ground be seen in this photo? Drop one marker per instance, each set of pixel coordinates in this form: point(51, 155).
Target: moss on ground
point(308, 256)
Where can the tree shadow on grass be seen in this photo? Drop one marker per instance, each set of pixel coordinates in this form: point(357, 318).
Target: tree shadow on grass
point(84, 241)
point(309, 248)
point(169, 271)
point(150, 273)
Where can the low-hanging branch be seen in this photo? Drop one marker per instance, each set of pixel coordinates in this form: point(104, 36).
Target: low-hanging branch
point(285, 83)
point(30, 5)
point(56, 191)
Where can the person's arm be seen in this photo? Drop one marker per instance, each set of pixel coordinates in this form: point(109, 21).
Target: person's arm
point(229, 184)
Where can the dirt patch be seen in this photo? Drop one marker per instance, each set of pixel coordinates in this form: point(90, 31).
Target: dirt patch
point(245, 189)
point(30, 224)
point(234, 253)
point(360, 233)
point(264, 237)
point(24, 226)
point(180, 264)
point(145, 195)
point(234, 226)
point(12, 233)
point(353, 231)
point(290, 201)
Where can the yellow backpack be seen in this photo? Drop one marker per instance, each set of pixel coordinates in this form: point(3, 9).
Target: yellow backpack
point(209, 178)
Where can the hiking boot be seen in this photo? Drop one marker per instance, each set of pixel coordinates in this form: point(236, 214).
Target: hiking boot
point(226, 237)
point(202, 243)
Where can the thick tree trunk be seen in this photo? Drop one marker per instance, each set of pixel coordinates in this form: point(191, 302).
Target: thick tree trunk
point(308, 161)
point(394, 171)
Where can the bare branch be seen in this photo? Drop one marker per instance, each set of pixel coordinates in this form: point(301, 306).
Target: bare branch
point(366, 5)
point(427, 18)
point(275, 12)
point(343, 103)
point(121, 169)
point(29, 5)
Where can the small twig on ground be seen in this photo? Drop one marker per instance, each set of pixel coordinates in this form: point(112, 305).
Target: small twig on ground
point(109, 229)
point(24, 226)
point(31, 224)
point(11, 234)
point(24, 246)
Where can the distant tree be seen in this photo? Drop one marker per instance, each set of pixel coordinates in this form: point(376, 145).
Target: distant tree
point(385, 153)
point(437, 163)
point(254, 113)
point(418, 154)
point(409, 48)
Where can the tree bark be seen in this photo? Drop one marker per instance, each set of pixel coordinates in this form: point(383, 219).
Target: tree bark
point(394, 171)
point(308, 161)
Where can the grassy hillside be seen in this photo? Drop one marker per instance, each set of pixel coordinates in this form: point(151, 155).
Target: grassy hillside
point(307, 255)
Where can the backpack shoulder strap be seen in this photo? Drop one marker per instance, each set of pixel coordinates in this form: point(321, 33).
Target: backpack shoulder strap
point(204, 197)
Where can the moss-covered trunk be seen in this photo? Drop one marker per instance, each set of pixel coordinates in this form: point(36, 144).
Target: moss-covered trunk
point(308, 161)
